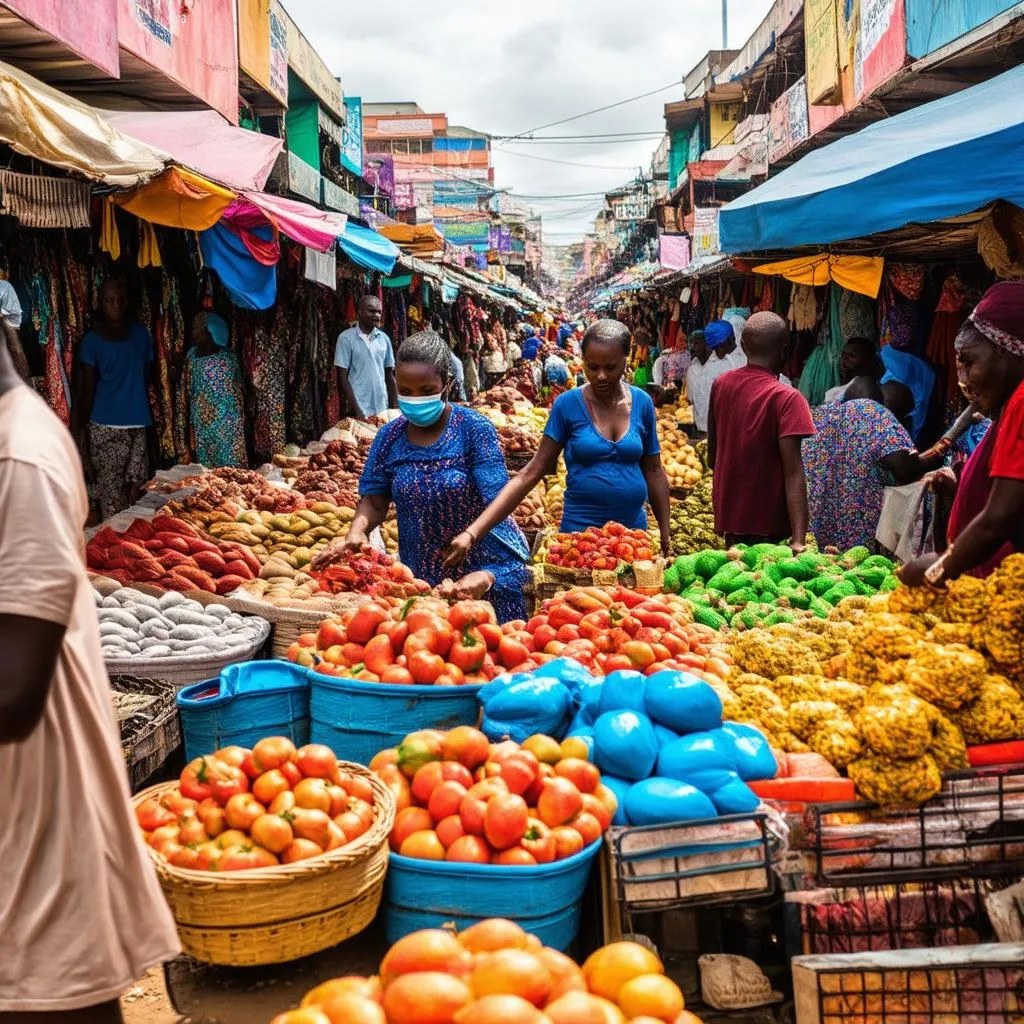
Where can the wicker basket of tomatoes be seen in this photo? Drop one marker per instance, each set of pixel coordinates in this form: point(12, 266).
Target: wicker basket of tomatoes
point(268, 855)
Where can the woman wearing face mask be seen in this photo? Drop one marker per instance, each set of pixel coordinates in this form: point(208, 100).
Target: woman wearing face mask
point(608, 432)
point(441, 464)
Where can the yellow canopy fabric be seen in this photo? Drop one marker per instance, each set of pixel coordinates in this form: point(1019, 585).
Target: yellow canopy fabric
point(179, 198)
point(45, 124)
point(862, 274)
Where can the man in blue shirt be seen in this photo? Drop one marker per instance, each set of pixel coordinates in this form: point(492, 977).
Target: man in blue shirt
point(530, 344)
point(365, 363)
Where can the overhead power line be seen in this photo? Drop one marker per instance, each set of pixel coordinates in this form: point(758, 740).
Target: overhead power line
point(570, 163)
point(597, 135)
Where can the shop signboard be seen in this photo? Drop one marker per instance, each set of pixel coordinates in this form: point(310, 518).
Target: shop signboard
point(195, 45)
point(405, 126)
point(337, 198)
point(278, 76)
point(379, 171)
point(88, 28)
point(309, 66)
point(788, 125)
point(821, 38)
point(352, 137)
point(881, 47)
point(303, 180)
point(405, 197)
point(932, 25)
point(631, 207)
point(705, 231)
point(263, 46)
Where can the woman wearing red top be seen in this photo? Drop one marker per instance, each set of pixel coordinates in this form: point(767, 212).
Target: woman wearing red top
point(987, 520)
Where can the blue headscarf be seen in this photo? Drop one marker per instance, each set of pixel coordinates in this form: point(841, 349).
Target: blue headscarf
point(718, 333)
point(218, 330)
point(915, 374)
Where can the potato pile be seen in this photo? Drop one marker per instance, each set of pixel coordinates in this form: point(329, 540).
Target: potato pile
point(530, 514)
point(287, 588)
point(682, 464)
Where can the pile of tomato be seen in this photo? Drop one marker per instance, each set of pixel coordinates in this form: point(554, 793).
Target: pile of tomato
point(604, 547)
point(368, 572)
point(239, 809)
point(421, 640)
point(606, 629)
point(496, 973)
point(462, 798)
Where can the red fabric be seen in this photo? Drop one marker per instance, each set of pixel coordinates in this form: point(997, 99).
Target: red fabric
point(1008, 451)
point(753, 409)
point(1002, 309)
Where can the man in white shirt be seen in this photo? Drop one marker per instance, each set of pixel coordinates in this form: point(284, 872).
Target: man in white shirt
point(10, 324)
point(365, 364)
point(858, 358)
point(698, 388)
point(726, 354)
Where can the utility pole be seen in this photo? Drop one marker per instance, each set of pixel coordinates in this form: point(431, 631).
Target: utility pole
point(725, 24)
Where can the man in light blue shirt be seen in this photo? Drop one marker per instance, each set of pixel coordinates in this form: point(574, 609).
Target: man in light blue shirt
point(365, 363)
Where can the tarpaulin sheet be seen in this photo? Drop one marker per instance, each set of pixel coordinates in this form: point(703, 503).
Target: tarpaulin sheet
point(178, 198)
point(862, 274)
point(47, 125)
point(301, 222)
point(368, 248)
point(942, 159)
point(204, 141)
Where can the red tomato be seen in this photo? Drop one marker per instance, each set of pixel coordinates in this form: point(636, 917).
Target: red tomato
point(449, 829)
point(242, 810)
point(378, 655)
point(539, 842)
point(543, 635)
point(300, 849)
point(360, 788)
point(505, 820)
point(331, 633)
point(151, 814)
point(407, 821)
point(474, 804)
point(436, 641)
point(639, 653)
point(559, 802)
point(519, 772)
point(272, 832)
point(492, 634)
point(231, 782)
point(313, 825)
point(313, 795)
point(468, 650)
point(469, 850)
point(466, 745)
point(364, 623)
point(470, 613)
point(512, 652)
point(273, 752)
point(515, 856)
point(433, 773)
point(425, 667)
point(397, 674)
point(568, 842)
point(446, 800)
point(233, 755)
point(290, 770)
point(595, 806)
point(582, 774)
point(267, 786)
point(197, 778)
point(588, 827)
point(423, 845)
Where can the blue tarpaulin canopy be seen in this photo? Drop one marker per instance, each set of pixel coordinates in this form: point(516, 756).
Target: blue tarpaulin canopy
point(368, 248)
point(943, 159)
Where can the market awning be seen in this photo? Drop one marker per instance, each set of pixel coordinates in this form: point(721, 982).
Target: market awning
point(178, 198)
point(942, 159)
point(861, 274)
point(368, 248)
point(317, 229)
point(204, 141)
point(45, 124)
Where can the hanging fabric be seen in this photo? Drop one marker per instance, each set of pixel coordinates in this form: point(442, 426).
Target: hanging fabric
point(149, 251)
point(110, 237)
point(44, 202)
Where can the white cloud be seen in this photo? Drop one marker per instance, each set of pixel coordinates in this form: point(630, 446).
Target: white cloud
point(505, 70)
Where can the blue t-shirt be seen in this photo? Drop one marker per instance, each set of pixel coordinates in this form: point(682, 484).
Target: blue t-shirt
point(604, 481)
point(121, 395)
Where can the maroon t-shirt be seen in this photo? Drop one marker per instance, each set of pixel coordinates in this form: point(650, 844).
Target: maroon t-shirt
point(752, 409)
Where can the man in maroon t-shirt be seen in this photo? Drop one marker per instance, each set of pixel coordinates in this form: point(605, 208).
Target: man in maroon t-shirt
point(755, 426)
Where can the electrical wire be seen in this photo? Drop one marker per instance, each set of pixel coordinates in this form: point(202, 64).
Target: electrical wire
point(656, 132)
point(569, 163)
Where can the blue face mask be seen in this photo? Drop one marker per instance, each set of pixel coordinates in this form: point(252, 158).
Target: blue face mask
point(423, 412)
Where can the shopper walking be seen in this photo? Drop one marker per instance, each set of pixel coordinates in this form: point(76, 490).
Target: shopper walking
point(111, 413)
point(365, 363)
point(698, 387)
point(82, 914)
point(755, 426)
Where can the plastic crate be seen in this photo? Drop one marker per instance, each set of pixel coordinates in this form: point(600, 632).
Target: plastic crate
point(544, 899)
point(243, 705)
point(357, 720)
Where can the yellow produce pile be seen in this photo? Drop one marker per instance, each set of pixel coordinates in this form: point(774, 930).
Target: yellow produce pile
point(292, 538)
point(891, 688)
point(693, 518)
point(681, 461)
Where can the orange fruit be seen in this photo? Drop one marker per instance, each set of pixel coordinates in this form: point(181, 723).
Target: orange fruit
point(429, 997)
point(607, 970)
point(544, 748)
point(430, 950)
point(573, 746)
point(583, 1008)
point(501, 1009)
point(511, 972)
point(368, 988)
point(651, 995)
point(493, 934)
point(353, 1009)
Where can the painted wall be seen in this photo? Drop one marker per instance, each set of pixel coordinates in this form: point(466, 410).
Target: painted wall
point(87, 27)
point(931, 25)
point(200, 53)
point(263, 45)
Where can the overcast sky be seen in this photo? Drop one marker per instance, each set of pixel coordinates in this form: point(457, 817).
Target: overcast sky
point(505, 73)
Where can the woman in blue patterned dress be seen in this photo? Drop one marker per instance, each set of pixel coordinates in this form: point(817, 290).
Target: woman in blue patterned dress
point(215, 395)
point(441, 465)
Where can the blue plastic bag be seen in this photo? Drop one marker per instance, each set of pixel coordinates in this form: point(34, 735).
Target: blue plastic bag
point(735, 797)
point(520, 709)
point(664, 735)
point(658, 801)
point(682, 702)
point(754, 757)
point(588, 694)
point(623, 690)
point(566, 671)
point(625, 744)
point(490, 690)
point(703, 759)
point(584, 719)
point(620, 787)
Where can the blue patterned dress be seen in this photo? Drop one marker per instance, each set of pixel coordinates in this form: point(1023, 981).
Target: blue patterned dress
point(438, 490)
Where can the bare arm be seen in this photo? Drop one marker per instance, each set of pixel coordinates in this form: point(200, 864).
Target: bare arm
point(796, 490)
point(544, 463)
point(657, 492)
point(345, 389)
point(370, 513)
point(998, 522)
point(30, 648)
point(389, 382)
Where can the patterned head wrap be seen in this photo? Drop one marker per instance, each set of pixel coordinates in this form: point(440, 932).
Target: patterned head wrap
point(218, 330)
point(718, 333)
point(1000, 316)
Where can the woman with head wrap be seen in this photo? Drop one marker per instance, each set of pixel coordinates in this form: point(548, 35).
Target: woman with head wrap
point(987, 520)
point(215, 395)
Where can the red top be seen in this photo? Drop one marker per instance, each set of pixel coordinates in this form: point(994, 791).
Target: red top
point(1008, 452)
point(752, 410)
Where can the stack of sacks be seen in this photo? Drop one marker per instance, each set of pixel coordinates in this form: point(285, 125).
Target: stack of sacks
point(662, 748)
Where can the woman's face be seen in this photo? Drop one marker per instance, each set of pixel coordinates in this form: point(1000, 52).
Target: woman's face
point(983, 373)
point(604, 363)
point(418, 380)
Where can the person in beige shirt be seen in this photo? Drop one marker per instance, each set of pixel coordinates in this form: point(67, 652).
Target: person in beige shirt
point(81, 911)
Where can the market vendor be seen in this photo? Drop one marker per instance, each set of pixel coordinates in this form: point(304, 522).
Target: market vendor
point(111, 417)
point(987, 520)
point(440, 464)
point(608, 432)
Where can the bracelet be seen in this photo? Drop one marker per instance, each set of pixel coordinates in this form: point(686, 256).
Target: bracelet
point(469, 533)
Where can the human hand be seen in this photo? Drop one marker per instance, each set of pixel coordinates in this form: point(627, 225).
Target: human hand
point(943, 479)
point(912, 574)
point(666, 548)
point(355, 541)
point(458, 550)
point(798, 547)
point(472, 586)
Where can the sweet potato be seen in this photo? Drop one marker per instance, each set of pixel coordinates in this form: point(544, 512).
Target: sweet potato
point(209, 561)
point(237, 567)
point(197, 544)
point(226, 584)
point(130, 550)
point(172, 559)
point(173, 542)
point(201, 580)
point(141, 530)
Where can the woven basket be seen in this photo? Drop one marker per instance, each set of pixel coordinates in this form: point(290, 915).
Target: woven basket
point(150, 727)
point(184, 670)
point(273, 915)
point(290, 622)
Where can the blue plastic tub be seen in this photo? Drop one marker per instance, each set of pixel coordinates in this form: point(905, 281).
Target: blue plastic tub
point(244, 704)
point(357, 720)
point(545, 900)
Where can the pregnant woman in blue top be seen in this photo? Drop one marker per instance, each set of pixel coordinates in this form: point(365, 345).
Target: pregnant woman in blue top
point(607, 430)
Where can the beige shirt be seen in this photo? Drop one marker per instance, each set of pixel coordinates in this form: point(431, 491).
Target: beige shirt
point(81, 911)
